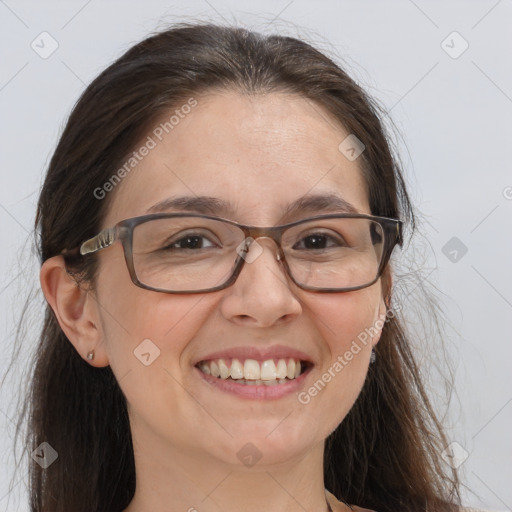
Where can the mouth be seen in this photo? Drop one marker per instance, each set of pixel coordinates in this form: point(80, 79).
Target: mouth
point(253, 372)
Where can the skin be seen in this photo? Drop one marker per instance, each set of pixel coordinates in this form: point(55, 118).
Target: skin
point(260, 152)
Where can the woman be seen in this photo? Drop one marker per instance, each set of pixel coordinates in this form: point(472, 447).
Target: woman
point(192, 359)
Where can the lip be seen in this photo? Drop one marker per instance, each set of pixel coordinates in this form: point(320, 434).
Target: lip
point(255, 392)
point(258, 353)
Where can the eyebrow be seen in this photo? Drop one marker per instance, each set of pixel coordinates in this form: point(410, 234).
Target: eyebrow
point(207, 205)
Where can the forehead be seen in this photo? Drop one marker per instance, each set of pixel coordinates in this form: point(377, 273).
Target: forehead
point(257, 154)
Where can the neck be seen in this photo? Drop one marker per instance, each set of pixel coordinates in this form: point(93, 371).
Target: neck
point(182, 480)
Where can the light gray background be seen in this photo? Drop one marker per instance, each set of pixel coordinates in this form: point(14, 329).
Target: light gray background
point(453, 114)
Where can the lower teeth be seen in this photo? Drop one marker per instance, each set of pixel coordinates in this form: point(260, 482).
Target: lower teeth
point(259, 382)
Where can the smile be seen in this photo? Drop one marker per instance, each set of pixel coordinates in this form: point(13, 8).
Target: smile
point(253, 379)
point(252, 372)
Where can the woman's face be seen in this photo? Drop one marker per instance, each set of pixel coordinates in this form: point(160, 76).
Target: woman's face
point(258, 153)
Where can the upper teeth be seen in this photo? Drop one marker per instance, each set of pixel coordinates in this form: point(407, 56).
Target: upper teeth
point(250, 369)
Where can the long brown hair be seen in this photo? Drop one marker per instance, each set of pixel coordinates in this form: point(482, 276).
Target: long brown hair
point(385, 455)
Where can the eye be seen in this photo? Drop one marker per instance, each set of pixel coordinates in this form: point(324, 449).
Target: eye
point(318, 241)
point(189, 241)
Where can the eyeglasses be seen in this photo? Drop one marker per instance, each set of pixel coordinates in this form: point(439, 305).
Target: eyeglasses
point(183, 253)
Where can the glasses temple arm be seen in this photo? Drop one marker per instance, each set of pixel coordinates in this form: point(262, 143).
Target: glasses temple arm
point(103, 239)
point(399, 233)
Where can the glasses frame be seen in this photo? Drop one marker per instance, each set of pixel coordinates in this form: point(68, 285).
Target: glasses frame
point(123, 231)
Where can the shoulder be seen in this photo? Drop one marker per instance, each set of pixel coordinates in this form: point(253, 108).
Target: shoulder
point(461, 509)
point(338, 506)
point(470, 509)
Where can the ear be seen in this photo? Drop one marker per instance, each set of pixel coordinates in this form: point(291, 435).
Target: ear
point(76, 310)
point(384, 303)
point(387, 286)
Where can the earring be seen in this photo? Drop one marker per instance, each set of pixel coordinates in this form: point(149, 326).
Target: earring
point(90, 355)
point(373, 356)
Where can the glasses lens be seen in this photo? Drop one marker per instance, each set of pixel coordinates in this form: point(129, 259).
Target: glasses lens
point(194, 253)
point(185, 253)
point(334, 253)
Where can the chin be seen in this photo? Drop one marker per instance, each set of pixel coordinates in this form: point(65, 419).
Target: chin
point(266, 445)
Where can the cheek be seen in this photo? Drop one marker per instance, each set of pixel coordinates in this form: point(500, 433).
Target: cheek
point(131, 314)
point(346, 323)
point(141, 320)
point(145, 333)
point(346, 318)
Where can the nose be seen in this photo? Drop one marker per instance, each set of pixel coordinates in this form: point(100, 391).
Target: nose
point(263, 294)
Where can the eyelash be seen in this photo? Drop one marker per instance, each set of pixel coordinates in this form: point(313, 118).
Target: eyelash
point(193, 235)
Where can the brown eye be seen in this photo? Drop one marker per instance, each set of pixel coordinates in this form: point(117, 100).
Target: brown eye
point(318, 241)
